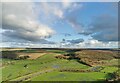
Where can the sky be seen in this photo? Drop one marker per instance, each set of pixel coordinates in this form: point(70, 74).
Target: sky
point(59, 24)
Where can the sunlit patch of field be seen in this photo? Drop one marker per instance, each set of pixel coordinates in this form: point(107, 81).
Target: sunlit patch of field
point(11, 49)
point(31, 55)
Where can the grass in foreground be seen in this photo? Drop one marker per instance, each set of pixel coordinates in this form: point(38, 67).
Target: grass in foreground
point(70, 76)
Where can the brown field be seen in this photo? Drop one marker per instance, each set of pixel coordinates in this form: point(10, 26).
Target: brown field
point(95, 57)
point(11, 49)
point(31, 55)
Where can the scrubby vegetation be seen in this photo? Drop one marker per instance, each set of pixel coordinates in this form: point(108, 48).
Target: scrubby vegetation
point(96, 57)
point(9, 54)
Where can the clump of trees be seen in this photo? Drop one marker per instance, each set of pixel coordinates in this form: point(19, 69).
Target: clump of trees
point(23, 57)
point(115, 76)
point(61, 57)
point(68, 56)
point(9, 54)
point(72, 55)
point(13, 55)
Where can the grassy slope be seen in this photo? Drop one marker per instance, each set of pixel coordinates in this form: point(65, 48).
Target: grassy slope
point(46, 61)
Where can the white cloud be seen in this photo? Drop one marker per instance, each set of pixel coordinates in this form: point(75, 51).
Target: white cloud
point(57, 9)
point(66, 3)
point(20, 20)
point(88, 44)
point(97, 44)
point(50, 9)
point(85, 44)
point(58, 13)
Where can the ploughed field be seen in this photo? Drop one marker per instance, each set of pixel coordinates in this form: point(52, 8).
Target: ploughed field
point(59, 65)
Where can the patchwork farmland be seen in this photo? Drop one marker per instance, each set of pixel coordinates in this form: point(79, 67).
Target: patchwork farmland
point(60, 65)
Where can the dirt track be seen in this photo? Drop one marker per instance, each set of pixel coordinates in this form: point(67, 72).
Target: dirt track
point(27, 77)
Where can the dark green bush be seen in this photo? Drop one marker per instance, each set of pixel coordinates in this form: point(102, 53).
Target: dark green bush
point(9, 54)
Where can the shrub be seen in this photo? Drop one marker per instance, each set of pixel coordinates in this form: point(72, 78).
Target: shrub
point(23, 57)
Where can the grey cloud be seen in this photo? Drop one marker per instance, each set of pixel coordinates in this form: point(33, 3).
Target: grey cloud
point(20, 35)
point(66, 34)
point(102, 28)
point(18, 40)
point(76, 41)
point(86, 33)
point(105, 28)
point(75, 24)
point(79, 27)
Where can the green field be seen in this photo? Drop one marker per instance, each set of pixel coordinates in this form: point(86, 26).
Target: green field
point(47, 68)
point(66, 76)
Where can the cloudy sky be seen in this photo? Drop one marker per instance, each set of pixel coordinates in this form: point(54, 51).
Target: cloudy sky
point(59, 24)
